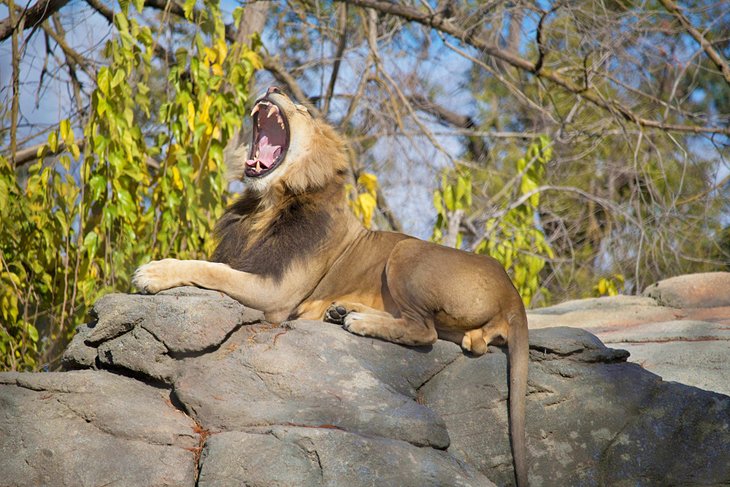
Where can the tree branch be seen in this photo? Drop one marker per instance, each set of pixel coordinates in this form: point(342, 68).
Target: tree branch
point(477, 147)
point(73, 58)
point(283, 76)
point(445, 25)
point(102, 9)
point(338, 59)
point(714, 56)
point(30, 17)
point(15, 104)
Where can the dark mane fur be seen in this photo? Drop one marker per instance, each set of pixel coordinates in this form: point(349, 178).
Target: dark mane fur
point(254, 236)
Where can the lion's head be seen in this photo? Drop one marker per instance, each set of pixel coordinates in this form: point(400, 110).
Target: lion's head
point(290, 147)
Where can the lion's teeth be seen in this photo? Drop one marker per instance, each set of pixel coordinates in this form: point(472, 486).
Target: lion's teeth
point(255, 109)
point(258, 166)
point(272, 111)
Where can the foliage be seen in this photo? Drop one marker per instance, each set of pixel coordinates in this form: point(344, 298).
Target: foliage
point(452, 200)
point(72, 231)
point(609, 286)
point(515, 238)
point(364, 199)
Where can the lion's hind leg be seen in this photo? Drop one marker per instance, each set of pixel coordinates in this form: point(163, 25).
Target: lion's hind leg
point(477, 340)
point(366, 321)
point(338, 310)
point(397, 330)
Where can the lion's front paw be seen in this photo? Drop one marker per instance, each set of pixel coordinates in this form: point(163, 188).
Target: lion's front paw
point(335, 314)
point(157, 276)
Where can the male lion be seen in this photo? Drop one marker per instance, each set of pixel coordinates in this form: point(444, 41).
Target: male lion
point(291, 247)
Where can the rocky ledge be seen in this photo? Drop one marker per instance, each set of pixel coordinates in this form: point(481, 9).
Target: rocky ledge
point(188, 387)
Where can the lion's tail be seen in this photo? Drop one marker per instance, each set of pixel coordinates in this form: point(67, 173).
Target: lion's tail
point(519, 355)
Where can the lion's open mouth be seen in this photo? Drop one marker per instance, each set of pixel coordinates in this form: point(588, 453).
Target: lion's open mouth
point(270, 139)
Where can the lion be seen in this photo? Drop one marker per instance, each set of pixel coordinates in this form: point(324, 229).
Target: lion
point(291, 247)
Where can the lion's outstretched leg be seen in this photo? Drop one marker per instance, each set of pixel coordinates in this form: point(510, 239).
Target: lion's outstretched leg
point(250, 289)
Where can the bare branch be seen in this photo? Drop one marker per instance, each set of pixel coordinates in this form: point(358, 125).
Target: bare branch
point(445, 25)
point(30, 17)
point(477, 147)
point(714, 56)
point(102, 9)
point(73, 58)
point(15, 105)
point(283, 76)
point(30, 154)
point(338, 59)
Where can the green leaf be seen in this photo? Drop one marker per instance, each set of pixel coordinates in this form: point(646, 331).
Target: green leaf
point(32, 333)
point(118, 78)
point(98, 186)
point(449, 197)
point(188, 8)
point(120, 19)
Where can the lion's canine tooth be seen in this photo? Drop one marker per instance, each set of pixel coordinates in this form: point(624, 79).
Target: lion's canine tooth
point(258, 166)
point(272, 111)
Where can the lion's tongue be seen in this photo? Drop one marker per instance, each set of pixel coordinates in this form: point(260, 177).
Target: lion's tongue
point(267, 154)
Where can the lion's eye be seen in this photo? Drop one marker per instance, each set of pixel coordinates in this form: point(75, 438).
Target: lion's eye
point(302, 108)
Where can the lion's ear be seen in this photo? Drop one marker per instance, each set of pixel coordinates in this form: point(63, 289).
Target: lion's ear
point(236, 163)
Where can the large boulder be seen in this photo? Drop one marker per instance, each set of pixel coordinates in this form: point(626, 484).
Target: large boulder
point(191, 388)
point(679, 329)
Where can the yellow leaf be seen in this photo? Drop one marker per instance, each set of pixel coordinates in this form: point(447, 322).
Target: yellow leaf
point(368, 181)
point(176, 179)
point(75, 151)
point(254, 59)
point(222, 49)
point(67, 134)
point(209, 57)
point(191, 116)
point(366, 204)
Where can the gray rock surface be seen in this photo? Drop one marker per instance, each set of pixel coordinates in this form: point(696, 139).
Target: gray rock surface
point(190, 384)
point(679, 329)
point(292, 456)
point(91, 428)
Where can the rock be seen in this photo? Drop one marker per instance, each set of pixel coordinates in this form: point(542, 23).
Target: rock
point(190, 382)
point(708, 290)
point(314, 374)
point(596, 422)
point(136, 331)
point(290, 456)
point(91, 428)
point(688, 345)
point(78, 354)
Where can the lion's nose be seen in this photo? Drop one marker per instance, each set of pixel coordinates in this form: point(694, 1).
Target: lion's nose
point(273, 89)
